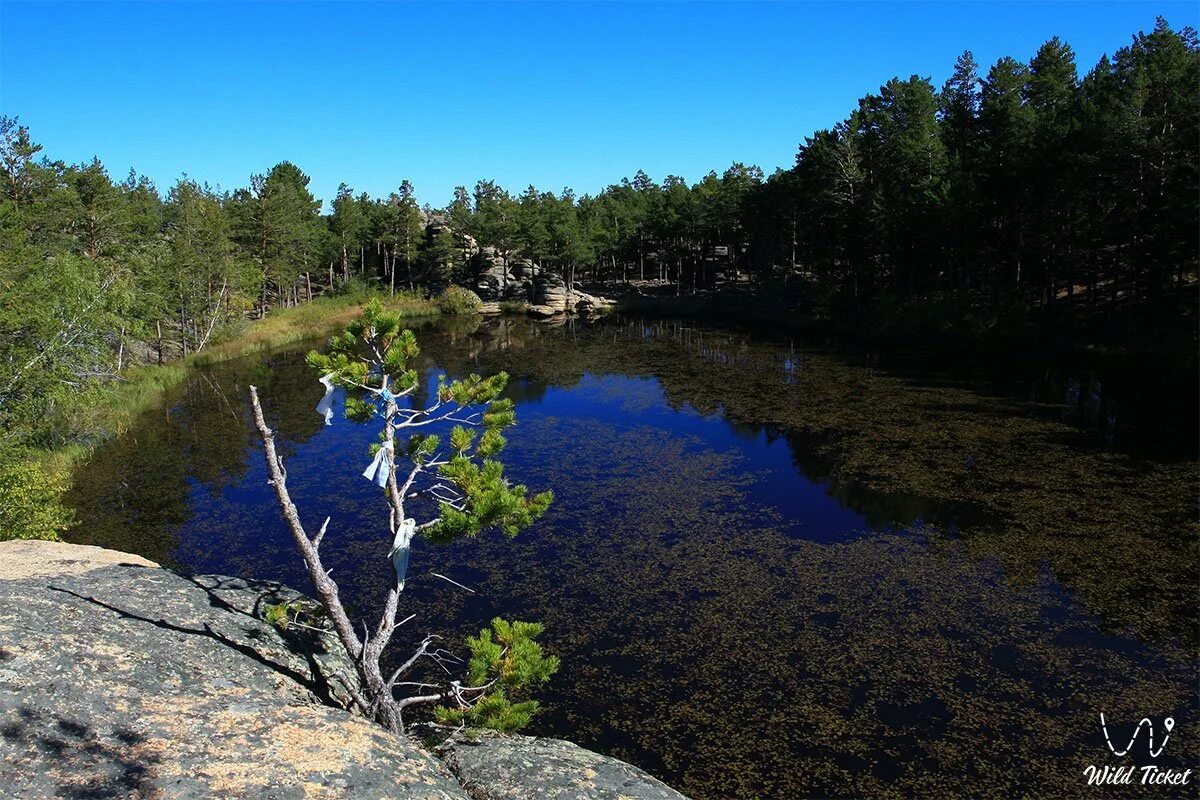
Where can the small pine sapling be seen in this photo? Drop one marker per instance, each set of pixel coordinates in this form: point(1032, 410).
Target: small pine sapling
point(374, 361)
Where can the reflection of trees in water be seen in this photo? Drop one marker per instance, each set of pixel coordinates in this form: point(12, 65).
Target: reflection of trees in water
point(134, 493)
point(892, 449)
point(702, 641)
point(1027, 487)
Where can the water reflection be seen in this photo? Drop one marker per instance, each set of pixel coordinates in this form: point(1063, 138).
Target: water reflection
point(773, 569)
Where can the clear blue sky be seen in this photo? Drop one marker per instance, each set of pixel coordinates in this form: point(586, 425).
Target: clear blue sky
point(566, 94)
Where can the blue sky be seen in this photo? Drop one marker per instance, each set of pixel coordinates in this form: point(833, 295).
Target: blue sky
point(565, 94)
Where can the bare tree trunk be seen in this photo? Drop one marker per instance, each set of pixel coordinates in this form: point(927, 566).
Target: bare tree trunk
point(183, 333)
point(214, 315)
point(326, 589)
point(366, 653)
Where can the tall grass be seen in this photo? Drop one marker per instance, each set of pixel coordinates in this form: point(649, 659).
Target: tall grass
point(33, 482)
point(117, 405)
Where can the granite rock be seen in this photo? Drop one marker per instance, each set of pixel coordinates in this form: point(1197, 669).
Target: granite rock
point(119, 679)
point(122, 679)
point(495, 767)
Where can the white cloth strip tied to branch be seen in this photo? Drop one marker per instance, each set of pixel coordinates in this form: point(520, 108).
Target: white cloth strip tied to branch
point(378, 470)
point(325, 407)
point(399, 552)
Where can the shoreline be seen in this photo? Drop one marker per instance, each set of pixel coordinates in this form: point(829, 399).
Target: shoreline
point(146, 386)
point(741, 308)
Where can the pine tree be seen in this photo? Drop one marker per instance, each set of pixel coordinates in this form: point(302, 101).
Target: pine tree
point(349, 225)
point(287, 227)
point(532, 233)
point(402, 233)
point(1007, 124)
point(958, 116)
point(374, 361)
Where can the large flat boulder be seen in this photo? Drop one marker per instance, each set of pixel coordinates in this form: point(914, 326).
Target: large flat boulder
point(495, 767)
point(120, 679)
point(541, 312)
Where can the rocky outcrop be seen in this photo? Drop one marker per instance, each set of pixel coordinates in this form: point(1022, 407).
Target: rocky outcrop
point(493, 767)
point(584, 303)
point(494, 278)
point(121, 679)
point(550, 293)
point(497, 279)
point(550, 290)
point(542, 311)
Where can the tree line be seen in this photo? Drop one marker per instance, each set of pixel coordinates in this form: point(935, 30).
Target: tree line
point(1025, 192)
point(1026, 188)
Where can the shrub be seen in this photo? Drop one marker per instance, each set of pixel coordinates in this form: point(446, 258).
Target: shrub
point(457, 300)
point(30, 502)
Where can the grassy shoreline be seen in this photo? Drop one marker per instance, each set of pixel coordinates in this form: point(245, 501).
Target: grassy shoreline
point(146, 386)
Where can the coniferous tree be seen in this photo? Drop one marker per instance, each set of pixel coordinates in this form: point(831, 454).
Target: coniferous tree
point(958, 110)
point(287, 228)
point(402, 233)
point(349, 224)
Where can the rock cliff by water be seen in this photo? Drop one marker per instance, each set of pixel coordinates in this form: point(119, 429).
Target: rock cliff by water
point(121, 679)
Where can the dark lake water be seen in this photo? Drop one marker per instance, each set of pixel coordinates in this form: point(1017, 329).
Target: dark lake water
point(775, 568)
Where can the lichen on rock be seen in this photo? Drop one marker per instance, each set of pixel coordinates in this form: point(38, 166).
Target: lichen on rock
point(497, 767)
point(122, 679)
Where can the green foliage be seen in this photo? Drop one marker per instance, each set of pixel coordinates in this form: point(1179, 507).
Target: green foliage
point(375, 354)
point(30, 501)
point(491, 502)
point(457, 300)
point(283, 224)
point(55, 319)
point(461, 439)
point(1074, 200)
point(401, 232)
point(441, 260)
point(1021, 188)
point(281, 615)
point(509, 659)
point(374, 347)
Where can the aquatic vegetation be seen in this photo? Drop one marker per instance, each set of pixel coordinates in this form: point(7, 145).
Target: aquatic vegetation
point(773, 568)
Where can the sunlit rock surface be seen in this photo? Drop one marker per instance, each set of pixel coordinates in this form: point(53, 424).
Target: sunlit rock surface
point(120, 679)
point(493, 767)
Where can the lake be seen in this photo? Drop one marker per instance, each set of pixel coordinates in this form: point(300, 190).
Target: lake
point(775, 567)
